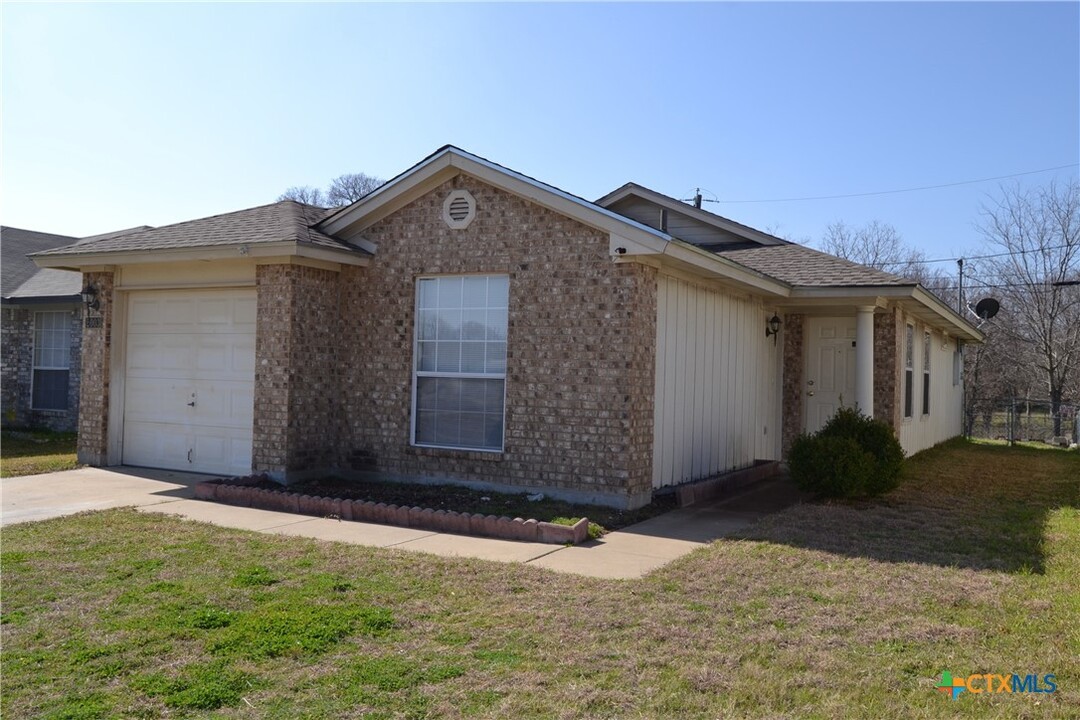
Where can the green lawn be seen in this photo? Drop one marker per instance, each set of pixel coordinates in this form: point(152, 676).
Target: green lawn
point(32, 452)
point(822, 611)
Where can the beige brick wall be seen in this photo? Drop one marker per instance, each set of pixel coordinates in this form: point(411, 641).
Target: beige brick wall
point(297, 359)
point(888, 380)
point(93, 443)
point(580, 349)
point(794, 370)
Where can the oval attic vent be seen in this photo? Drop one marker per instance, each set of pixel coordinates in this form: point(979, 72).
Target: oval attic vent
point(459, 209)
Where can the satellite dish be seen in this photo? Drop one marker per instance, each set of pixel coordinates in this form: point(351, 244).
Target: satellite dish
point(987, 308)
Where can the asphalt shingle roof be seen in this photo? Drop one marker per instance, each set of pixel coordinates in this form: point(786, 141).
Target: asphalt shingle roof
point(16, 269)
point(284, 221)
point(50, 282)
point(800, 265)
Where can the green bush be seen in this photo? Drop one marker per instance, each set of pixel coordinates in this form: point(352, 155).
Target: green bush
point(852, 456)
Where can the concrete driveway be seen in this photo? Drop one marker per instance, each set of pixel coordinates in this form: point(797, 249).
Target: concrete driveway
point(38, 497)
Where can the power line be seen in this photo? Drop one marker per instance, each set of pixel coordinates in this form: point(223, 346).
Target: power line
point(904, 190)
point(977, 257)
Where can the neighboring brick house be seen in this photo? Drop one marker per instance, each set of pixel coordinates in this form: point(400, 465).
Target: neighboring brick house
point(471, 324)
point(41, 322)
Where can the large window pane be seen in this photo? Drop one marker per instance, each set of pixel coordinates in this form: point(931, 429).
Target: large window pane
point(50, 390)
point(461, 361)
point(52, 340)
point(474, 292)
point(498, 291)
point(474, 324)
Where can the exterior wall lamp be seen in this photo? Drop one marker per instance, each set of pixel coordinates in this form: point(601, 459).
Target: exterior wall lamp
point(772, 327)
point(90, 297)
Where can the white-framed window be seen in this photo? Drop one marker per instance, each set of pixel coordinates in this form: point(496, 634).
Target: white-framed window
point(926, 373)
point(909, 371)
point(459, 372)
point(52, 360)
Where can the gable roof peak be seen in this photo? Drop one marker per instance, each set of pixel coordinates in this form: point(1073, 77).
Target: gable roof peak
point(705, 216)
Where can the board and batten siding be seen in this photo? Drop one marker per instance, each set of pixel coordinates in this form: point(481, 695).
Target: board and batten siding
point(946, 398)
point(717, 384)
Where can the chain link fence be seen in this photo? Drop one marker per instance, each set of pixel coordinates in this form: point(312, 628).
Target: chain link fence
point(1026, 419)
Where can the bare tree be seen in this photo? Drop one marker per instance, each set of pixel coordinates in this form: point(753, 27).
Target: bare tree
point(350, 187)
point(877, 245)
point(343, 190)
point(1038, 234)
point(305, 194)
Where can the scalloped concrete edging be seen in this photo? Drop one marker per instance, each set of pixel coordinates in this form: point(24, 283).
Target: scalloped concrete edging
point(241, 493)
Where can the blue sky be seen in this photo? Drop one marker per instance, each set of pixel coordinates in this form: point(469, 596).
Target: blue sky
point(121, 115)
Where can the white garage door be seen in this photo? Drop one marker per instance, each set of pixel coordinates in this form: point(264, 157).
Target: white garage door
point(189, 388)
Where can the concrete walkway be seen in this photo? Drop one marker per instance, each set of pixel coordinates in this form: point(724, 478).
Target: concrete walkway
point(623, 554)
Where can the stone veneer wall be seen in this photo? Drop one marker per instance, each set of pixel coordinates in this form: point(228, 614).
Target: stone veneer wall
point(297, 412)
point(792, 400)
point(580, 349)
point(94, 385)
point(888, 380)
point(17, 364)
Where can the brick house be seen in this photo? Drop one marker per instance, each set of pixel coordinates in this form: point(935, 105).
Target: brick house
point(468, 323)
point(41, 324)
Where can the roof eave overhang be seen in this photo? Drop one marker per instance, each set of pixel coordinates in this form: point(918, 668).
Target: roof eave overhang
point(41, 300)
point(689, 258)
point(914, 298)
point(288, 248)
point(450, 162)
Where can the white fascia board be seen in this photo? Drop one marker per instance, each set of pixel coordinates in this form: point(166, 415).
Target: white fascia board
point(79, 261)
point(451, 161)
point(913, 297)
point(958, 322)
point(722, 268)
point(392, 196)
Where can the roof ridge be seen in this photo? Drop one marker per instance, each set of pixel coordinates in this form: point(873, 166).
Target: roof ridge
point(152, 228)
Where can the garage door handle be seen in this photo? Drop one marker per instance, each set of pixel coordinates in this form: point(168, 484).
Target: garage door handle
point(191, 404)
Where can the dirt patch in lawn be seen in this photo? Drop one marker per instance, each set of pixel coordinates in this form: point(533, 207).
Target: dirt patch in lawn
point(464, 500)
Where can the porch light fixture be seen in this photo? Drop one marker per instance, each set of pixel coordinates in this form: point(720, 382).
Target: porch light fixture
point(90, 297)
point(772, 327)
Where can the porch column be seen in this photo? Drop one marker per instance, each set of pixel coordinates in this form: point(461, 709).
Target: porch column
point(864, 359)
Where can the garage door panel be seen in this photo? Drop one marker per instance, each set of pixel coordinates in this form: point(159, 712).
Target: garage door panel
point(162, 356)
point(157, 445)
point(223, 404)
point(223, 451)
point(225, 356)
point(153, 400)
point(189, 347)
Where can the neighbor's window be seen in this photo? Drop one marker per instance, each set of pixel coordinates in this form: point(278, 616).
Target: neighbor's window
point(909, 370)
point(926, 374)
point(460, 361)
point(52, 360)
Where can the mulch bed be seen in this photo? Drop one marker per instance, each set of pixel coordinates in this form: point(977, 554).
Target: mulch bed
point(466, 500)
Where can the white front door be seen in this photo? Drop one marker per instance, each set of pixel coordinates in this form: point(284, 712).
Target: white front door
point(829, 381)
point(190, 380)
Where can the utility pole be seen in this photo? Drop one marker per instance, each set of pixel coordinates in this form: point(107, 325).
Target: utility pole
point(960, 294)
